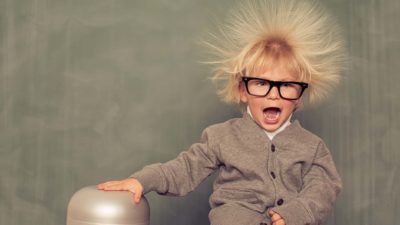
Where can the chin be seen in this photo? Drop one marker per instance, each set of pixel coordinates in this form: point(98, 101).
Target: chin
point(271, 128)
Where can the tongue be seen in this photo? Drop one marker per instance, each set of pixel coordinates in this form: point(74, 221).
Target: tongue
point(271, 114)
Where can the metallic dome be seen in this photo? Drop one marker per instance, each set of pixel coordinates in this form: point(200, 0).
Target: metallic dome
point(90, 206)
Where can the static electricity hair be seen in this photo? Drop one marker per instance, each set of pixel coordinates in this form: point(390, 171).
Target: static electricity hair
point(299, 34)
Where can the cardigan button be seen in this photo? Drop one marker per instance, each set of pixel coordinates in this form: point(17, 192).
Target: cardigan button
point(273, 148)
point(273, 175)
point(280, 201)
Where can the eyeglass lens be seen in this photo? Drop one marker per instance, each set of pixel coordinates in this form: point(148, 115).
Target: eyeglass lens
point(287, 90)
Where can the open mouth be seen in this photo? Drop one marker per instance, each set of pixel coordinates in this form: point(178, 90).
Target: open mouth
point(271, 114)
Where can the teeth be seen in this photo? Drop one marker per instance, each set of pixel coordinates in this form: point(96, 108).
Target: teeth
point(272, 113)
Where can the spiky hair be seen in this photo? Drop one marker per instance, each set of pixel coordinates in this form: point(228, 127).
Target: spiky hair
point(298, 33)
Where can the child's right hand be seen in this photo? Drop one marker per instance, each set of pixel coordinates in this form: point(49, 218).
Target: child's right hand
point(131, 184)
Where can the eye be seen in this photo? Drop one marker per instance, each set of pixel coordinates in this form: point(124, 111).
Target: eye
point(288, 84)
point(261, 82)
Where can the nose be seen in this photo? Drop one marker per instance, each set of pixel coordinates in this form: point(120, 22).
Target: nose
point(273, 93)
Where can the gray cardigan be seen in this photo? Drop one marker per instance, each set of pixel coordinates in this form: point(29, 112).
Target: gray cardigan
point(294, 174)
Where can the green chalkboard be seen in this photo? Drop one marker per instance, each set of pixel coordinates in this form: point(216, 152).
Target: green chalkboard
point(93, 90)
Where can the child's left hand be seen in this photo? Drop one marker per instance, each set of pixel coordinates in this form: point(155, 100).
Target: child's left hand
point(276, 218)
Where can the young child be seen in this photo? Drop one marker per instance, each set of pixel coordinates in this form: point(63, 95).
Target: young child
point(272, 56)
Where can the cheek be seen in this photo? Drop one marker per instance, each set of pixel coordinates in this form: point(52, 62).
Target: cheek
point(296, 105)
point(292, 106)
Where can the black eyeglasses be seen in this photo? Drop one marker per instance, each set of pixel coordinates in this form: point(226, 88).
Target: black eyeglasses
point(289, 90)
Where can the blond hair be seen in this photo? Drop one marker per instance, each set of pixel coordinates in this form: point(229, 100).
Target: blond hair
point(298, 33)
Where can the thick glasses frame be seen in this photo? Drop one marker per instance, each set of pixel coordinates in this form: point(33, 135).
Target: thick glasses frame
point(272, 84)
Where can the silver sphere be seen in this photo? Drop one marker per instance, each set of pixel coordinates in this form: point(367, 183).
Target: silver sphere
point(90, 206)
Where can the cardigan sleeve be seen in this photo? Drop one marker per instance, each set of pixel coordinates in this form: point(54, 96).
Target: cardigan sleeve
point(321, 185)
point(182, 174)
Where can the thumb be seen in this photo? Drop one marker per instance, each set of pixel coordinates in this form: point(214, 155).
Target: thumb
point(137, 196)
point(271, 212)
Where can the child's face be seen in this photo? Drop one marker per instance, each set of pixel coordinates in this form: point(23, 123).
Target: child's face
point(271, 111)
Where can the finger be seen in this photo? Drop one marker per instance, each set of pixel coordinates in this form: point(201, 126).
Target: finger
point(116, 187)
point(106, 184)
point(133, 197)
point(271, 212)
point(137, 196)
point(280, 222)
point(101, 186)
point(275, 217)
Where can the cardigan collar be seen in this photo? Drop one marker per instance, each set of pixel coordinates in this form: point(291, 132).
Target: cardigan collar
point(255, 132)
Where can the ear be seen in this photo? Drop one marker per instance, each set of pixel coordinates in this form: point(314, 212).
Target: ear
point(242, 93)
point(297, 104)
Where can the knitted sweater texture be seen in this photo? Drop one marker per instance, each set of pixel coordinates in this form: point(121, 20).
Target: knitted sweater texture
point(293, 175)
